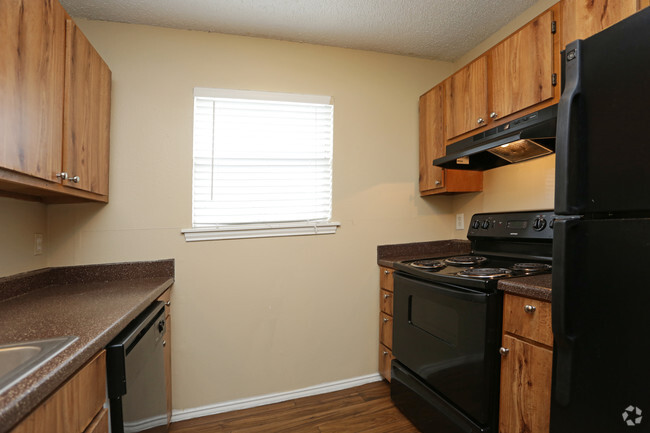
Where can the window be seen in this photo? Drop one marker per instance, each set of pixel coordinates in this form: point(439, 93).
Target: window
point(262, 165)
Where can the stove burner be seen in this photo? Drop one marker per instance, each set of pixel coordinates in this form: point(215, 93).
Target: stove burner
point(428, 264)
point(531, 267)
point(465, 260)
point(487, 273)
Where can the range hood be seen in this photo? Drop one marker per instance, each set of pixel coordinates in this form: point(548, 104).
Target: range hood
point(530, 136)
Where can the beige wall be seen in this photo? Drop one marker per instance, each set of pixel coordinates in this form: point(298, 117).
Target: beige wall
point(305, 312)
point(19, 221)
point(257, 316)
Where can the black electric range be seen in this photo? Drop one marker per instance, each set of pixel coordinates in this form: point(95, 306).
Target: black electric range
point(447, 315)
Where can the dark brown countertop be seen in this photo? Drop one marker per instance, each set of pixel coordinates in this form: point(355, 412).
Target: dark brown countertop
point(536, 286)
point(92, 302)
point(388, 254)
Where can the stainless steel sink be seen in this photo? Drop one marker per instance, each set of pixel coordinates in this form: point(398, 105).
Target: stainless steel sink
point(18, 360)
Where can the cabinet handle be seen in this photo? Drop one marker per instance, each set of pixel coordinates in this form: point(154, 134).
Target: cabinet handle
point(385, 320)
point(74, 179)
point(385, 353)
point(386, 296)
point(503, 351)
point(386, 272)
point(529, 308)
point(493, 115)
point(480, 121)
point(63, 175)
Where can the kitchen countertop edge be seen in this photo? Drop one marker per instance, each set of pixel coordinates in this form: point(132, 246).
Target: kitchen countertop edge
point(535, 287)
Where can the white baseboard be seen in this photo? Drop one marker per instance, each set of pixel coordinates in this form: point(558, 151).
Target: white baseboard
point(245, 403)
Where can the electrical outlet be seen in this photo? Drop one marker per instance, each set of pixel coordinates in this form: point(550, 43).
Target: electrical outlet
point(460, 221)
point(38, 244)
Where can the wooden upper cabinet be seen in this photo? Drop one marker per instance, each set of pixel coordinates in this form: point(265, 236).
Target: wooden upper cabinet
point(436, 180)
point(86, 121)
point(31, 86)
point(466, 101)
point(583, 18)
point(522, 68)
point(432, 143)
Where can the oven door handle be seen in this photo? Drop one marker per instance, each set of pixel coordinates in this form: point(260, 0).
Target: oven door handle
point(461, 293)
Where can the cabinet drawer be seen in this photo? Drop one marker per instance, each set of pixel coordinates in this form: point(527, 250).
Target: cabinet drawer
point(386, 278)
point(386, 301)
point(385, 358)
point(386, 330)
point(528, 318)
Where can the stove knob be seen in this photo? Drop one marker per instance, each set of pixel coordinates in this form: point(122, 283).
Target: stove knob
point(486, 224)
point(550, 225)
point(539, 224)
point(476, 224)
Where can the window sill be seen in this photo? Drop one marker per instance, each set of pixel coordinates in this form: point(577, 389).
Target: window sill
point(246, 231)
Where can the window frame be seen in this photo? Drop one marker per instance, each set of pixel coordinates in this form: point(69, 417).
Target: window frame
point(259, 229)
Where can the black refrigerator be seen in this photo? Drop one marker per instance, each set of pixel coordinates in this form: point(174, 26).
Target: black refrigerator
point(601, 245)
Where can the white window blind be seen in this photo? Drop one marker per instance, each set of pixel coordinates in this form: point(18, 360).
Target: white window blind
point(261, 157)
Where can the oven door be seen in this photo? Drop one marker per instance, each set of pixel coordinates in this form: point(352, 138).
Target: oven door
point(448, 336)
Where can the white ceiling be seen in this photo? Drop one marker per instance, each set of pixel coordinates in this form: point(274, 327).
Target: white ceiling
point(434, 29)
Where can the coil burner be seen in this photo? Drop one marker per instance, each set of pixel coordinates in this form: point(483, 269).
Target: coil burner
point(428, 264)
point(531, 268)
point(487, 273)
point(465, 260)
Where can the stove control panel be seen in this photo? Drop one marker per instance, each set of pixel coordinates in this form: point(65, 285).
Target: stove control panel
point(527, 225)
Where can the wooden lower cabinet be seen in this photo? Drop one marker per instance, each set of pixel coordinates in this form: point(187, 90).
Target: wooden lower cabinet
point(166, 298)
point(385, 321)
point(76, 407)
point(525, 387)
point(526, 366)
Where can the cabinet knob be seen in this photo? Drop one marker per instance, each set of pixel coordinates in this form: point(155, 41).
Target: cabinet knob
point(386, 296)
point(438, 182)
point(164, 343)
point(480, 121)
point(385, 353)
point(63, 175)
point(493, 115)
point(168, 303)
point(503, 351)
point(529, 308)
point(385, 320)
point(386, 272)
point(74, 179)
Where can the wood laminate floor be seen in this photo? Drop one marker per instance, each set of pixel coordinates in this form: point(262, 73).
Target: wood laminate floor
point(365, 408)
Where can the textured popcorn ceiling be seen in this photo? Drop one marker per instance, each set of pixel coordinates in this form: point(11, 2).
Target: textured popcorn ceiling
point(435, 29)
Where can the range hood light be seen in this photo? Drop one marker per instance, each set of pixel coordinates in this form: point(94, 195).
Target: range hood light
point(520, 150)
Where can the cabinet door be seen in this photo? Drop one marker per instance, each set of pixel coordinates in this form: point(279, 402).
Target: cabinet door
point(31, 86)
point(525, 402)
point(86, 114)
point(522, 68)
point(432, 142)
point(466, 99)
point(583, 18)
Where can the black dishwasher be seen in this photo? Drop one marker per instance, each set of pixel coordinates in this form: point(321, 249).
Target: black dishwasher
point(136, 374)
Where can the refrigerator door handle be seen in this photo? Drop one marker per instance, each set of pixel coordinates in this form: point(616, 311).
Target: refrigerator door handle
point(564, 343)
point(566, 147)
